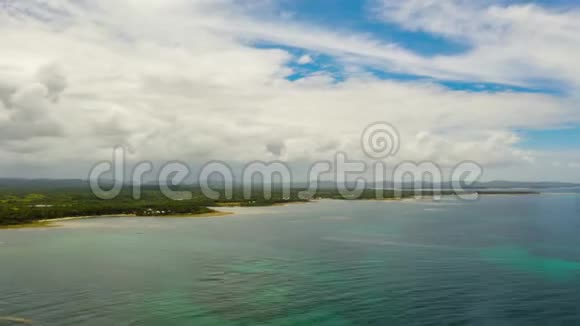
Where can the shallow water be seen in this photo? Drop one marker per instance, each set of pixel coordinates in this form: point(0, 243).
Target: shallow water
point(512, 260)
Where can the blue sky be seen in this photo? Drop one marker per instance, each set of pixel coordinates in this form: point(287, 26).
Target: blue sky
point(361, 17)
point(353, 15)
point(550, 139)
point(491, 81)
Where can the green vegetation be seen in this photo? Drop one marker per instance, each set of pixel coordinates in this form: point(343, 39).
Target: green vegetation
point(29, 204)
point(22, 205)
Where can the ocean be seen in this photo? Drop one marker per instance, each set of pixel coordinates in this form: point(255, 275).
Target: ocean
point(501, 260)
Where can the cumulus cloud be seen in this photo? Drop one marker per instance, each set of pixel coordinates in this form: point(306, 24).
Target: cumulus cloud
point(180, 80)
point(53, 78)
point(519, 43)
point(27, 114)
point(275, 148)
point(305, 59)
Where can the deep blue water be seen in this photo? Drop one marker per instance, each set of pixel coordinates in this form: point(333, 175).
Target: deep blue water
point(503, 260)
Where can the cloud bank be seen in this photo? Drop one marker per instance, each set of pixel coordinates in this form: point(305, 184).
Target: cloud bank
point(184, 80)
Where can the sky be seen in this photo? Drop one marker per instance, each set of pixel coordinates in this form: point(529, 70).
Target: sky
point(496, 82)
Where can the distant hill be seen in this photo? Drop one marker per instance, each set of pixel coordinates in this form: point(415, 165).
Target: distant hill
point(21, 183)
point(16, 183)
point(528, 185)
point(500, 184)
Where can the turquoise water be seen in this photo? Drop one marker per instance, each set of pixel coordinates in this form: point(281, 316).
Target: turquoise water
point(503, 260)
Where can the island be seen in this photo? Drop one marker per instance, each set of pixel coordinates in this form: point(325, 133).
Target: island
point(33, 203)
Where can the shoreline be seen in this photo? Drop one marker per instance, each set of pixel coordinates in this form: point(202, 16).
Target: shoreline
point(33, 225)
point(200, 215)
point(73, 218)
point(51, 223)
point(282, 204)
point(54, 223)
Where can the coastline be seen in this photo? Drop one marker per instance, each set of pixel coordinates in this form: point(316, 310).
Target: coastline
point(33, 225)
point(54, 223)
point(73, 218)
point(227, 210)
point(299, 202)
point(201, 215)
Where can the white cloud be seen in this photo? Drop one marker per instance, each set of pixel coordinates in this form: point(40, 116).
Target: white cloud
point(26, 113)
point(54, 79)
point(305, 59)
point(179, 80)
point(510, 43)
